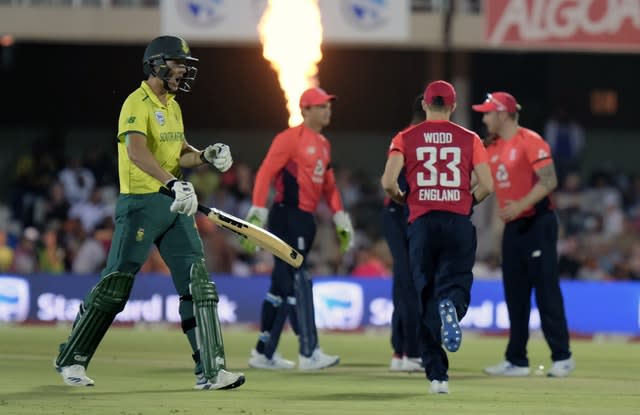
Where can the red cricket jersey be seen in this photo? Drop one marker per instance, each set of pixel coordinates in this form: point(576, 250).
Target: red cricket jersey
point(402, 182)
point(439, 157)
point(299, 160)
point(514, 163)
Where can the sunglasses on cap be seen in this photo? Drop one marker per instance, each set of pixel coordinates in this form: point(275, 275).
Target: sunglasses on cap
point(499, 105)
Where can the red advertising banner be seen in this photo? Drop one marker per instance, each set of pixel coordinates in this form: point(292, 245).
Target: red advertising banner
point(592, 24)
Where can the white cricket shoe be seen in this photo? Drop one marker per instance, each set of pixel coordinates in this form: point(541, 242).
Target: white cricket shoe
point(317, 360)
point(439, 386)
point(412, 364)
point(507, 368)
point(396, 364)
point(74, 375)
point(277, 362)
point(562, 368)
point(223, 380)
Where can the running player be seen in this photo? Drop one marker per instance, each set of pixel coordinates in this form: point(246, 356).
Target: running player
point(439, 157)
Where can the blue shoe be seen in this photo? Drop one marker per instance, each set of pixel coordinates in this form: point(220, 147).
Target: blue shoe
point(450, 331)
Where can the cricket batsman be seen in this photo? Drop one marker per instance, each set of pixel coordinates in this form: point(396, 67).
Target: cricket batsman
point(152, 149)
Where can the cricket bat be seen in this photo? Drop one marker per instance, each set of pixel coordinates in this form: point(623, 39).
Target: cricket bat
point(256, 234)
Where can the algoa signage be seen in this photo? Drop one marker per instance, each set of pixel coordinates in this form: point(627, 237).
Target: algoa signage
point(591, 24)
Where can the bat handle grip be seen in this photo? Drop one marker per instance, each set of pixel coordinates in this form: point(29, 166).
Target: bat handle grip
point(167, 192)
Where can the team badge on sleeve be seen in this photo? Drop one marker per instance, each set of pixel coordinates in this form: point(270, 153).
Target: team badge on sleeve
point(160, 117)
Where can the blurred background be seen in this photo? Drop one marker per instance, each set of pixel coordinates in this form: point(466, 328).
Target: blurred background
point(67, 66)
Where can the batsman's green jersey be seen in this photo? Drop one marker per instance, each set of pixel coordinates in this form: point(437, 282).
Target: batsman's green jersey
point(143, 113)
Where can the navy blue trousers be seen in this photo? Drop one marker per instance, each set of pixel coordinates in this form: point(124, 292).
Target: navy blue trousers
point(298, 229)
point(405, 317)
point(530, 260)
point(442, 249)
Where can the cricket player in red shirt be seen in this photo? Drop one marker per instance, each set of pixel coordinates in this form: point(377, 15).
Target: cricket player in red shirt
point(299, 161)
point(439, 158)
point(524, 176)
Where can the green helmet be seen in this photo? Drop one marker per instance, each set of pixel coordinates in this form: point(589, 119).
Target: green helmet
point(164, 48)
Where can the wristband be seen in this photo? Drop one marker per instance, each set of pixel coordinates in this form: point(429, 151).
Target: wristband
point(169, 183)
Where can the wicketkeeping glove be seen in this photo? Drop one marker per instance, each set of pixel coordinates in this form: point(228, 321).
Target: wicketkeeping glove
point(344, 229)
point(185, 200)
point(256, 216)
point(219, 155)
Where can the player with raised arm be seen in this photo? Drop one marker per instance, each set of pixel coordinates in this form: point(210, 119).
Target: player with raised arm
point(524, 176)
point(299, 161)
point(151, 151)
point(439, 157)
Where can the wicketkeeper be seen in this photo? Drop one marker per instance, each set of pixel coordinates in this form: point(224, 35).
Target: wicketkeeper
point(299, 161)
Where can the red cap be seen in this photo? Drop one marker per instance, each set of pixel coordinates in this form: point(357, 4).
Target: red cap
point(498, 101)
point(315, 96)
point(440, 89)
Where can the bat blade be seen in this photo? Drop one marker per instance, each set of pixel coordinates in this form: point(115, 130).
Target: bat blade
point(261, 237)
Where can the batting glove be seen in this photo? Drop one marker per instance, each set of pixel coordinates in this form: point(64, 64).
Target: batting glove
point(185, 200)
point(344, 229)
point(256, 216)
point(219, 155)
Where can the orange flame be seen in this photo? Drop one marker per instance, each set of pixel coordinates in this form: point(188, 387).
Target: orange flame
point(291, 36)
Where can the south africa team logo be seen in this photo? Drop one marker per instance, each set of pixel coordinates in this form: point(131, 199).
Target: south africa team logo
point(185, 47)
point(140, 235)
point(160, 117)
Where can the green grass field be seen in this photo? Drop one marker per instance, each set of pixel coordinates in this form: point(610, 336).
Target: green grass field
point(142, 371)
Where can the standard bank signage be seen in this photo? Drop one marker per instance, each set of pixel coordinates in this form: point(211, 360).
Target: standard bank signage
point(341, 303)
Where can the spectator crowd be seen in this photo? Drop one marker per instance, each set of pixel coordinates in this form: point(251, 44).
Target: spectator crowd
point(58, 218)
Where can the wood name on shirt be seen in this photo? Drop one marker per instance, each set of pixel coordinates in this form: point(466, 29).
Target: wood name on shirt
point(436, 194)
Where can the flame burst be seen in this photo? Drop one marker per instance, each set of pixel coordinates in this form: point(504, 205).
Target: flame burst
point(291, 36)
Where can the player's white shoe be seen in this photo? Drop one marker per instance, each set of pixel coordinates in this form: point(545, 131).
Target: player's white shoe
point(396, 363)
point(412, 364)
point(439, 386)
point(317, 360)
point(277, 362)
point(74, 375)
point(405, 364)
point(223, 380)
point(562, 368)
point(507, 368)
